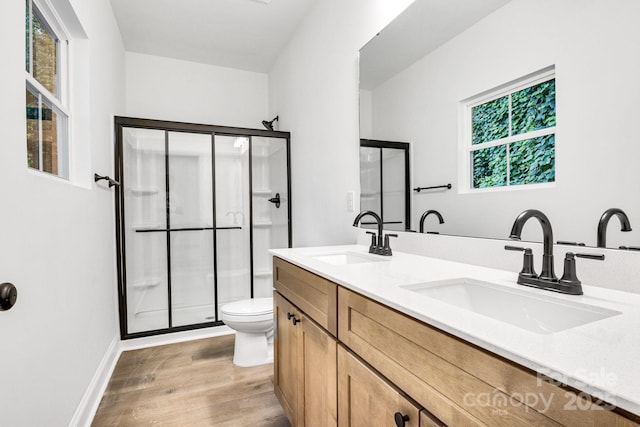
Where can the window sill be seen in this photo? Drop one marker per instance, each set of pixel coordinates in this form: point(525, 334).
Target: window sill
point(523, 187)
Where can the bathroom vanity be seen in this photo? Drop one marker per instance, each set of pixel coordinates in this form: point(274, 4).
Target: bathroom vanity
point(366, 340)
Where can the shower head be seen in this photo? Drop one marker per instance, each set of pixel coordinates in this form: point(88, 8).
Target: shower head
point(269, 125)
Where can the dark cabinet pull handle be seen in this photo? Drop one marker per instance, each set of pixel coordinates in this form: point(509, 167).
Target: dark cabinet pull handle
point(295, 321)
point(8, 296)
point(400, 419)
point(289, 316)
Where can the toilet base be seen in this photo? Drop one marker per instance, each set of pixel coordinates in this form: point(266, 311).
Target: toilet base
point(253, 349)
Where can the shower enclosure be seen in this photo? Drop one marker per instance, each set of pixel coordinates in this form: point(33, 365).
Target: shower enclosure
point(197, 209)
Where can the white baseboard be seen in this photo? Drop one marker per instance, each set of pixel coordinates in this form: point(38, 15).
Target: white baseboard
point(88, 406)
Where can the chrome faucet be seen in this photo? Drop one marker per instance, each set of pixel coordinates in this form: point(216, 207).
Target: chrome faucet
point(426, 214)
point(547, 272)
point(381, 248)
point(625, 225)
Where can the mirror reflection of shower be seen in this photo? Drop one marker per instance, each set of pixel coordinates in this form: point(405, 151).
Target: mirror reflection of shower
point(384, 183)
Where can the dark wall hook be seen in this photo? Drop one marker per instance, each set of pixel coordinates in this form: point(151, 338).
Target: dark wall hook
point(112, 182)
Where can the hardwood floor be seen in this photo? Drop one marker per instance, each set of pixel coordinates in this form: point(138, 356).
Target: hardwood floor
point(189, 384)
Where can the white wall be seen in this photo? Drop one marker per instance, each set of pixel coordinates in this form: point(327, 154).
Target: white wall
point(591, 45)
point(170, 89)
point(57, 239)
point(313, 87)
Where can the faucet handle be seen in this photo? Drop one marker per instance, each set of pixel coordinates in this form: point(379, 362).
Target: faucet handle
point(597, 257)
point(563, 242)
point(569, 279)
point(630, 248)
point(386, 250)
point(527, 261)
point(374, 245)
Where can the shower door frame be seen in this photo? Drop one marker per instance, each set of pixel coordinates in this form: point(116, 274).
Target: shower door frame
point(120, 123)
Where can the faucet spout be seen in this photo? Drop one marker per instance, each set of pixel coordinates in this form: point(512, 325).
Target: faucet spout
point(547, 233)
point(378, 220)
point(426, 214)
point(625, 225)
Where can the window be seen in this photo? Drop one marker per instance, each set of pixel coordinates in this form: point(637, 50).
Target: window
point(47, 116)
point(510, 135)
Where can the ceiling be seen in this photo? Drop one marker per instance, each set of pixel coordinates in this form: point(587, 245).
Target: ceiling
point(423, 27)
point(242, 34)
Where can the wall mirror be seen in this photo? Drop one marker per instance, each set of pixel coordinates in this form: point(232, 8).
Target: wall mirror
point(418, 75)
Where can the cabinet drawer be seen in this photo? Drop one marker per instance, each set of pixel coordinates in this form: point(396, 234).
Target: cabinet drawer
point(365, 399)
point(312, 294)
point(459, 383)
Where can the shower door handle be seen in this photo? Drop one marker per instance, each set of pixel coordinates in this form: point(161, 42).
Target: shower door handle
point(276, 200)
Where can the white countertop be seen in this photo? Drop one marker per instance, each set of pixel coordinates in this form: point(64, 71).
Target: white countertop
point(600, 358)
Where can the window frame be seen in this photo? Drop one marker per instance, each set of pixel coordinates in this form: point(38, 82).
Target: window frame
point(467, 148)
point(59, 101)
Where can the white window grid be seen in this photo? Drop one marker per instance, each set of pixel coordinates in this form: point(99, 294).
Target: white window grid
point(59, 102)
point(469, 148)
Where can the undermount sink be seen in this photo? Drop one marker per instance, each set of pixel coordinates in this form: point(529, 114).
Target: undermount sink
point(537, 313)
point(345, 258)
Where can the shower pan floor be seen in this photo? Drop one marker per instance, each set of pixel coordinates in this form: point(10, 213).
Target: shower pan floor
point(181, 316)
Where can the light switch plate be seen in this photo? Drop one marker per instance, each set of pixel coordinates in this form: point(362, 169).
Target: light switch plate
point(350, 201)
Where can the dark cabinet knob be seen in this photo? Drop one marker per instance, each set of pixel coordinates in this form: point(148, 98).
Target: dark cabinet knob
point(295, 321)
point(8, 296)
point(400, 419)
point(289, 316)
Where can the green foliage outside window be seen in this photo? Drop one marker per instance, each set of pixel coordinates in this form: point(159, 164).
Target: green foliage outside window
point(490, 121)
point(529, 161)
point(533, 108)
point(532, 161)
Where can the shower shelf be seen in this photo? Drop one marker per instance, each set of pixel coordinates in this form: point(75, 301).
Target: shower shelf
point(144, 284)
point(265, 273)
point(263, 224)
point(262, 192)
point(144, 191)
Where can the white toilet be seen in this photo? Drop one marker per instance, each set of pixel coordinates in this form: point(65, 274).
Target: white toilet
point(252, 319)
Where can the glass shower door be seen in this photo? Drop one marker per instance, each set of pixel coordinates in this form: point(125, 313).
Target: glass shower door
point(232, 218)
point(190, 223)
point(394, 190)
point(144, 190)
point(168, 228)
point(270, 207)
point(384, 183)
point(370, 183)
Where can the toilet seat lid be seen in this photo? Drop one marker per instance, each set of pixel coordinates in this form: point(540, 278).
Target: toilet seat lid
point(249, 307)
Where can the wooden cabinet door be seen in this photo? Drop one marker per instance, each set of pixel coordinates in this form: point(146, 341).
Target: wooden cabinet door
point(366, 399)
point(285, 354)
point(317, 377)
